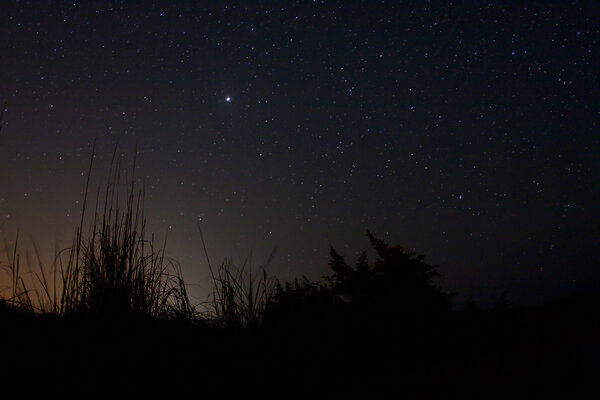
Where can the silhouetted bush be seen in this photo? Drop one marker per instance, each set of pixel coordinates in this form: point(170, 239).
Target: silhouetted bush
point(396, 286)
point(302, 302)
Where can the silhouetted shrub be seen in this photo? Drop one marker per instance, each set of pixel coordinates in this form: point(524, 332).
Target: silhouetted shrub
point(397, 285)
point(302, 302)
point(397, 282)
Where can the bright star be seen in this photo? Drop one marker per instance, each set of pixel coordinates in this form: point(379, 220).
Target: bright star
point(228, 99)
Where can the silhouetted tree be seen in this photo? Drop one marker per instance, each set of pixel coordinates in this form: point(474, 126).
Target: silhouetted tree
point(397, 282)
point(395, 286)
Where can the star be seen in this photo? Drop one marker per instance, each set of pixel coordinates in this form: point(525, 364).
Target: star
point(228, 99)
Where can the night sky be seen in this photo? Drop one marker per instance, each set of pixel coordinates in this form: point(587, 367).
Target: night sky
point(465, 131)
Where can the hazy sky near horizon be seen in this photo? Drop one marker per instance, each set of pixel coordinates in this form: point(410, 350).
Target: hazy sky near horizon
point(465, 131)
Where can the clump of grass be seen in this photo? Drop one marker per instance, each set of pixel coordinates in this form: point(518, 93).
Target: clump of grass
point(122, 271)
point(115, 270)
point(20, 297)
point(239, 299)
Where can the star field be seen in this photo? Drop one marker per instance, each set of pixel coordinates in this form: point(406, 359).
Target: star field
point(467, 132)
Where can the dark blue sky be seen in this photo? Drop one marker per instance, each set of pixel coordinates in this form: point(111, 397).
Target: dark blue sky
point(465, 131)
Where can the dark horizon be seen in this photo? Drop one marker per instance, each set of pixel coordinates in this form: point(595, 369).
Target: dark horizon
point(465, 133)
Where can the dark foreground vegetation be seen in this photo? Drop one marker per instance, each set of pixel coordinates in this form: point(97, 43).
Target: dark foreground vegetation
point(344, 338)
point(112, 316)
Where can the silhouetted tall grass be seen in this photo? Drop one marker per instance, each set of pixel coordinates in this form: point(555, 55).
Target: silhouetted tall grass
point(239, 299)
point(115, 270)
point(19, 293)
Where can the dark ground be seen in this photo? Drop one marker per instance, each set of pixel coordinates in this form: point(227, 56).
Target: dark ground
point(500, 353)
